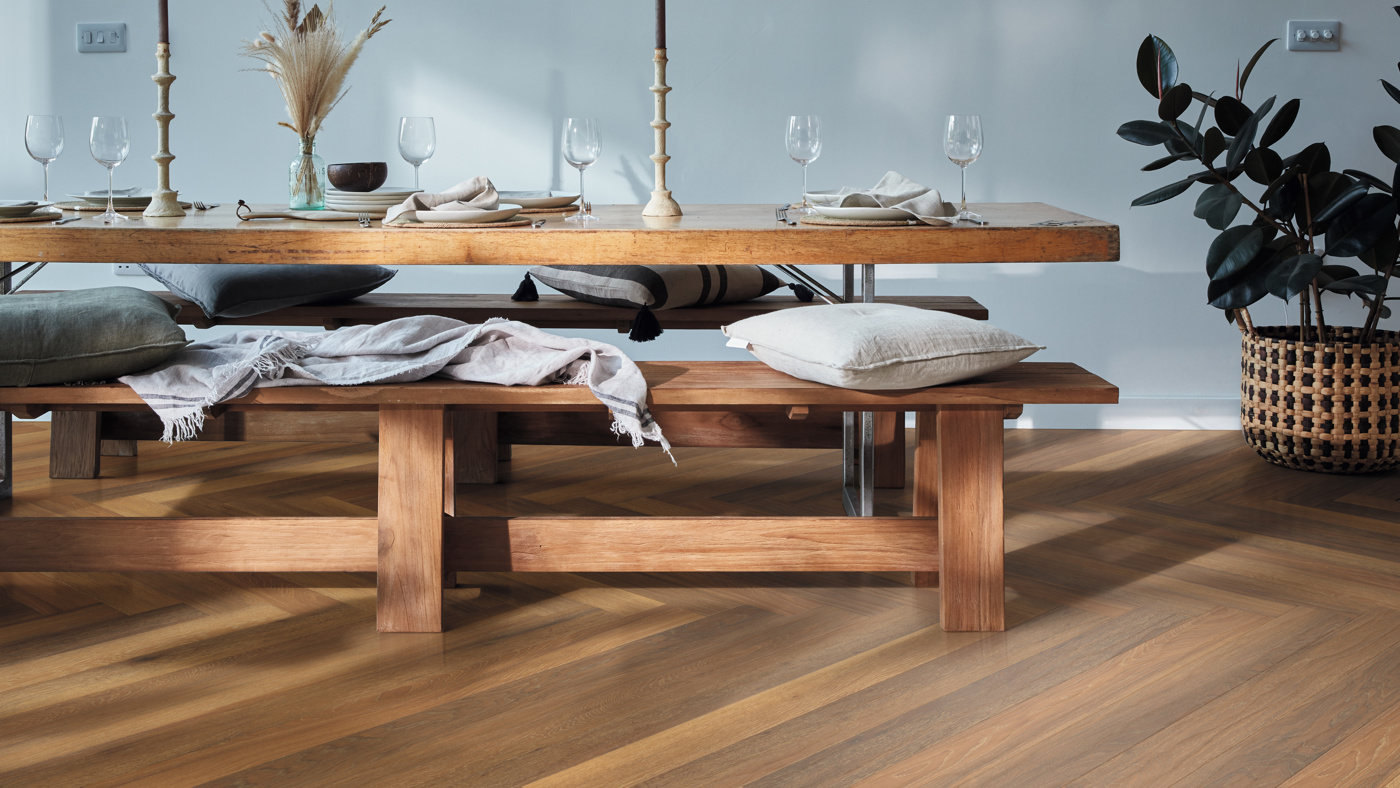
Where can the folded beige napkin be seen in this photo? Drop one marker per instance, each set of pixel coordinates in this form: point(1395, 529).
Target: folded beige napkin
point(896, 191)
point(476, 194)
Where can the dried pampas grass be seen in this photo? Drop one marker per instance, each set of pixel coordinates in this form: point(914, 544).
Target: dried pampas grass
point(309, 60)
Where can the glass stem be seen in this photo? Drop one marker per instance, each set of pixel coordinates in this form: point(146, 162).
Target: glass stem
point(582, 201)
point(415, 176)
point(46, 181)
point(804, 184)
point(963, 170)
point(110, 172)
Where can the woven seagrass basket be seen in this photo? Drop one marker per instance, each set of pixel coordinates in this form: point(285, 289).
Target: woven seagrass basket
point(1331, 408)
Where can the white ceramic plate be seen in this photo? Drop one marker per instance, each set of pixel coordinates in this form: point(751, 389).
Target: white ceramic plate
point(865, 214)
point(539, 199)
point(335, 198)
point(124, 197)
point(130, 191)
point(375, 212)
point(386, 193)
point(466, 217)
point(14, 209)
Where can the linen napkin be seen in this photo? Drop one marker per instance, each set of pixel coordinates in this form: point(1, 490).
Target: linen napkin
point(896, 191)
point(476, 194)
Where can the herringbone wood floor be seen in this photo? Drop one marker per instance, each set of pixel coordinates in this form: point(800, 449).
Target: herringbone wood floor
point(1180, 614)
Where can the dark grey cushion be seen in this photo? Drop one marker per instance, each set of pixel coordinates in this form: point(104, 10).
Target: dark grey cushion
point(658, 286)
point(246, 290)
point(84, 335)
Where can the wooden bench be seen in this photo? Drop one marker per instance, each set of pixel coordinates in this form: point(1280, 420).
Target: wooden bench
point(80, 439)
point(954, 536)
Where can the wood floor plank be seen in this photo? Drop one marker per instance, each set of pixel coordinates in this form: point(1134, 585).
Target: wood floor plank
point(1178, 612)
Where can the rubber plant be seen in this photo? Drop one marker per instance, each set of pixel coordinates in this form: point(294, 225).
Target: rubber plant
point(1302, 215)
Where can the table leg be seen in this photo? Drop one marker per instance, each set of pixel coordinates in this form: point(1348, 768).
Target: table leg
point(6, 422)
point(970, 527)
point(411, 471)
point(858, 430)
point(75, 444)
point(476, 446)
point(889, 451)
point(926, 479)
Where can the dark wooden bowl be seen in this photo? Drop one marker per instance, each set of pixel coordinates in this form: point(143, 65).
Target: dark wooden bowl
point(362, 176)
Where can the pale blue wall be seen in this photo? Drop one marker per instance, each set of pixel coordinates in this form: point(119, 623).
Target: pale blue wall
point(1052, 81)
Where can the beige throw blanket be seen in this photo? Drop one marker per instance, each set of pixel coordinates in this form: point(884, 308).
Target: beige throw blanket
point(499, 351)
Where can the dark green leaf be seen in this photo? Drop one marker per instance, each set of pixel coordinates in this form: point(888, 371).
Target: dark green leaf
point(1383, 253)
point(1388, 140)
point(1282, 122)
point(1285, 201)
point(1209, 101)
point(1245, 76)
point(1370, 283)
point(1359, 227)
point(1232, 250)
point(1191, 137)
point(1164, 161)
point(1247, 286)
point(1218, 205)
point(1376, 183)
point(1334, 273)
point(1392, 90)
point(1176, 102)
point(1156, 66)
point(1241, 144)
point(1165, 193)
point(1263, 165)
point(1146, 132)
point(1292, 276)
point(1231, 114)
point(1212, 145)
point(1342, 196)
point(1312, 160)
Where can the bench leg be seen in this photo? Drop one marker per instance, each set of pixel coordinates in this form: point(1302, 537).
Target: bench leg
point(7, 464)
point(411, 471)
point(926, 479)
point(118, 448)
point(475, 446)
point(970, 525)
point(74, 444)
point(889, 451)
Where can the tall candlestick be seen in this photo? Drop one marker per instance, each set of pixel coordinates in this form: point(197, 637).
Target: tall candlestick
point(162, 21)
point(164, 202)
point(661, 203)
point(660, 24)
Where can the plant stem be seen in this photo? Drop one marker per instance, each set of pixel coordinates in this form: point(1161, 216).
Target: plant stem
point(1257, 210)
point(1373, 320)
point(1321, 323)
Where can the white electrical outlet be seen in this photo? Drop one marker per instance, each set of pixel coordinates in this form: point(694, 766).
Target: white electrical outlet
point(127, 269)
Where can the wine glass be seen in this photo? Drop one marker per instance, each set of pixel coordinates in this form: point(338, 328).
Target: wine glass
point(804, 145)
point(963, 144)
point(582, 144)
point(110, 144)
point(43, 138)
point(417, 141)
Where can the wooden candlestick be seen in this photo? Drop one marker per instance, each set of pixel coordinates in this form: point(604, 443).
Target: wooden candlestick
point(164, 202)
point(661, 203)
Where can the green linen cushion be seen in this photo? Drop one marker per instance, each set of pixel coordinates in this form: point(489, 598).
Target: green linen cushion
point(247, 290)
point(877, 346)
point(79, 335)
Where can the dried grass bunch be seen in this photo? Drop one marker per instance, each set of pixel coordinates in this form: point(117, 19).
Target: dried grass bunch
point(309, 60)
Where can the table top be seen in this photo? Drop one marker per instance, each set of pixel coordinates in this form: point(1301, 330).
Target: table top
point(705, 234)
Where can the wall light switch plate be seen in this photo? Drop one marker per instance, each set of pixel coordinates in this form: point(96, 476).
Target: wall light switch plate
point(1313, 36)
point(101, 36)
point(127, 269)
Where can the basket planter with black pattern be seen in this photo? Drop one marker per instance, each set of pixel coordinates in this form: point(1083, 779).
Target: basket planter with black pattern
point(1330, 407)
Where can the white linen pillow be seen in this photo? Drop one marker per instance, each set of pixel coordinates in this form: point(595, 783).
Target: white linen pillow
point(877, 346)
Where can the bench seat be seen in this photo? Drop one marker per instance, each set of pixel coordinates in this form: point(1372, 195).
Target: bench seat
point(954, 536)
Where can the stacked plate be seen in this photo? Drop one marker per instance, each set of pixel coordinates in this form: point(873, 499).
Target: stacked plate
point(539, 199)
point(130, 198)
point(15, 209)
point(375, 203)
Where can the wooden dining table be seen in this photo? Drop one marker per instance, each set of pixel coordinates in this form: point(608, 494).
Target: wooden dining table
point(704, 234)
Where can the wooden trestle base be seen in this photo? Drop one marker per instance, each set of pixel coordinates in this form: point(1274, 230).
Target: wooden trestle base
point(953, 539)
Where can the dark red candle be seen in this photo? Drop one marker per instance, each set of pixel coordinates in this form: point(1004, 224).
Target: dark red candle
point(660, 23)
point(162, 21)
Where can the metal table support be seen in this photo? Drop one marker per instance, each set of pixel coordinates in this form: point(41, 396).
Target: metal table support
point(7, 463)
point(858, 429)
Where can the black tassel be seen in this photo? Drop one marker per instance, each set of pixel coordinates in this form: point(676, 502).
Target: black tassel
point(526, 291)
point(803, 292)
point(644, 326)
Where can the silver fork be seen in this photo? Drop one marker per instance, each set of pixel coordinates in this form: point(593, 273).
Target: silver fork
point(199, 206)
point(781, 211)
point(364, 219)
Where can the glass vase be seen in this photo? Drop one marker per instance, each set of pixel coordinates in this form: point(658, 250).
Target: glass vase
point(307, 179)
